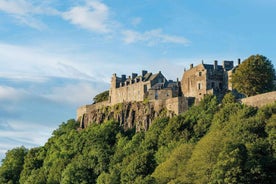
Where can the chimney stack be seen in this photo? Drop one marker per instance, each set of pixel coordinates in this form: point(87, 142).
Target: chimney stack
point(123, 78)
point(134, 75)
point(215, 65)
point(239, 61)
point(144, 72)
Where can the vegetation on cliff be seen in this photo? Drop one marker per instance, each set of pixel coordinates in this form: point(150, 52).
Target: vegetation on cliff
point(254, 76)
point(210, 143)
point(101, 97)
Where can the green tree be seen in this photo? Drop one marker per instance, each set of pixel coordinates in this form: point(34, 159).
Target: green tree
point(101, 97)
point(254, 76)
point(32, 163)
point(12, 165)
point(228, 99)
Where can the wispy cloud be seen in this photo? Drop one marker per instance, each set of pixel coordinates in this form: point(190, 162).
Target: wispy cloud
point(25, 65)
point(152, 37)
point(136, 21)
point(10, 93)
point(75, 94)
point(23, 11)
point(94, 16)
point(18, 133)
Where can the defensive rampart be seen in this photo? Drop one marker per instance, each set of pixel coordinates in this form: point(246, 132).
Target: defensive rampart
point(260, 100)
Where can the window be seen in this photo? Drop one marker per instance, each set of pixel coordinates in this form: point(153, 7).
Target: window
point(156, 95)
point(220, 86)
point(199, 74)
point(199, 86)
point(213, 84)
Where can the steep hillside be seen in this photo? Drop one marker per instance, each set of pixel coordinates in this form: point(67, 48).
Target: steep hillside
point(209, 143)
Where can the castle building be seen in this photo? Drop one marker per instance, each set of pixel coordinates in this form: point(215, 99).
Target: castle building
point(138, 88)
point(206, 79)
point(174, 96)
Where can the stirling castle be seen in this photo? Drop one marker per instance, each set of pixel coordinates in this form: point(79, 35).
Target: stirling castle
point(174, 96)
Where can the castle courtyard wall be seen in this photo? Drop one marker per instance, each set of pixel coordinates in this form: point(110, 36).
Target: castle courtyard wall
point(128, 93)
point(177, 104)
point(89, 108)
point(260, 100)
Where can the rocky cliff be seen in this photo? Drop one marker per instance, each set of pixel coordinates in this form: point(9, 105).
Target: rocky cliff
point(138, 115)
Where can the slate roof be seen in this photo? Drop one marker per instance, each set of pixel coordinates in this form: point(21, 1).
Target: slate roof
point(211, 67)
point(147, 76)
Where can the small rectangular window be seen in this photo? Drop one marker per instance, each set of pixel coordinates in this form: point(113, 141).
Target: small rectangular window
point(199, 86)
point(199, 74)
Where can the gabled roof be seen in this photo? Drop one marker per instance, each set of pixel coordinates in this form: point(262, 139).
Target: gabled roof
point(152, 77)
point(147, 76)
point(211, 67)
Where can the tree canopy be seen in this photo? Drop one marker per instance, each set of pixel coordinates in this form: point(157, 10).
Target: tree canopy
point(209, 143)
point(254, 76)
point(101, 97)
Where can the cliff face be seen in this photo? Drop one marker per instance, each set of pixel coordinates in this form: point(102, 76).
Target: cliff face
point(136, 115)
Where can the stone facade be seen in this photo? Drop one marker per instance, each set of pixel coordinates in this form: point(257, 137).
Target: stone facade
point(138, 88)
point(260, 100)
point(206, 79)
point(161, 94)
point(153, 88)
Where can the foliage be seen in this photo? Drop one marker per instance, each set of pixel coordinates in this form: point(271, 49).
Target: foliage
point(101, 97)
point(12, 165)
point(254, 76)
point(210, 143)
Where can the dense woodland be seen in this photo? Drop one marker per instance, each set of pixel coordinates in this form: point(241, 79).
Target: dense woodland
point(209, 143)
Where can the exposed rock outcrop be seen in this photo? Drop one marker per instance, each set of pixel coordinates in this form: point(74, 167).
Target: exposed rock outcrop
point(138, 115)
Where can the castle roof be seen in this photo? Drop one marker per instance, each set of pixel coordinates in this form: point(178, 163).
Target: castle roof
point(211, 67)
point(152, 77)
point(147, 76)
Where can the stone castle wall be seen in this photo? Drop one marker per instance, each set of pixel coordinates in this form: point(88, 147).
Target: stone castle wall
point(260, 100)
point(132, 92)
point(89, 108)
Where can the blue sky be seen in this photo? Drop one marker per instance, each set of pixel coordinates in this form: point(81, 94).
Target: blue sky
point(57, 55)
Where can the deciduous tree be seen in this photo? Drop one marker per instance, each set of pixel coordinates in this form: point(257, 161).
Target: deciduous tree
point(254, 76)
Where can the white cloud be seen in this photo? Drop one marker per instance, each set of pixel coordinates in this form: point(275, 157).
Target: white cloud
point(75, 94)
point(136, 21)
point(152, 37)
point(16, 7)
point(24, 133)
point(93, 16)
point(36, 65)
point(10, 93)
point(23, 11)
